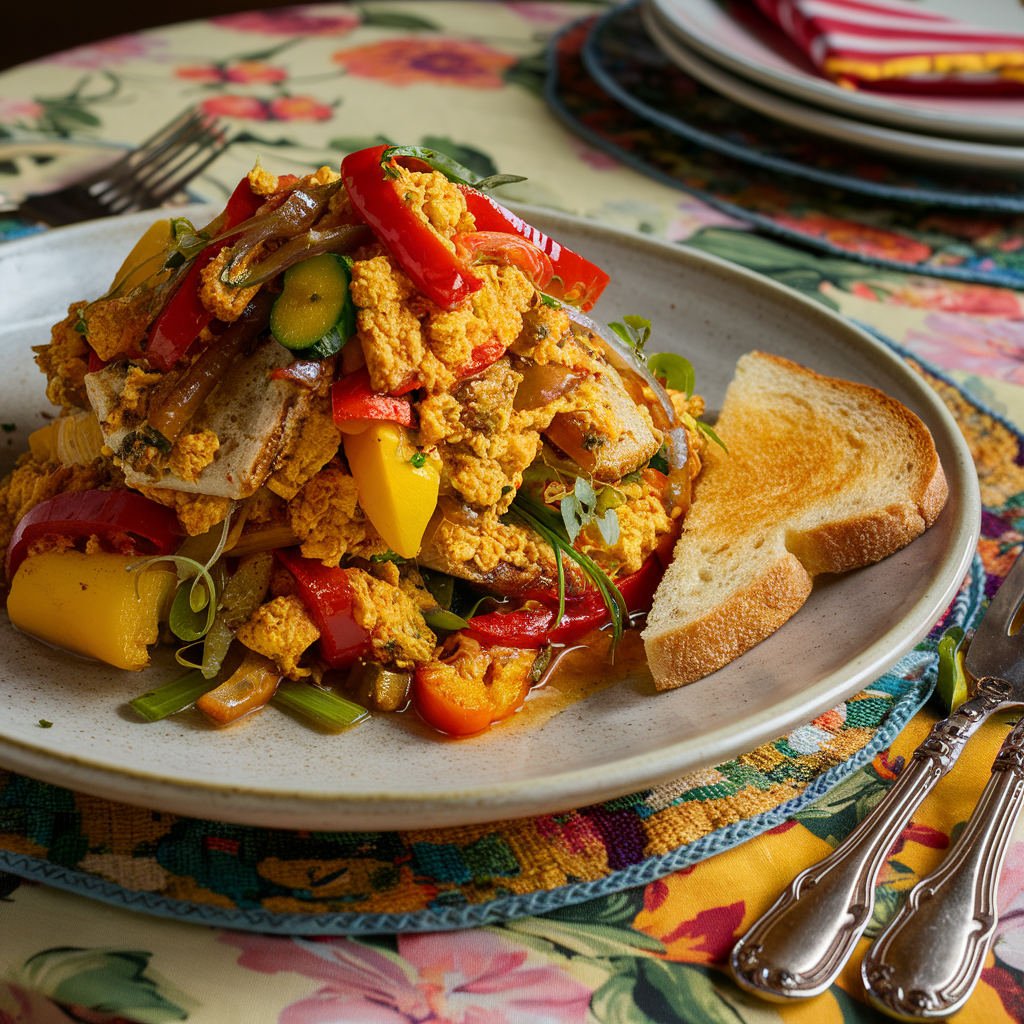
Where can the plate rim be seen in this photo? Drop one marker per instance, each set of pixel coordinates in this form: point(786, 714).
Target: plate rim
point(860, 104)
point(556, 790)
point(962, 153)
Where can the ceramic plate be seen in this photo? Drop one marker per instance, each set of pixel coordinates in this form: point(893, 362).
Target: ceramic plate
point(736, 36)
point(390, 773)
point(977, 156)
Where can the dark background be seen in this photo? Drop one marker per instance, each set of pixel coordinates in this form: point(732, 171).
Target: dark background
point(34, 28)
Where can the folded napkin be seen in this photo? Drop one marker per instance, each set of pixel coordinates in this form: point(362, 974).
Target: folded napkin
point(898, 47)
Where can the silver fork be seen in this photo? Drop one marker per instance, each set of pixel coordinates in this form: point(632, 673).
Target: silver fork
point(142, 179)
point(797, 949)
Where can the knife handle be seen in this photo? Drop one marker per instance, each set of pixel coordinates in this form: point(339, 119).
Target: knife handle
point(928, 960)
point(797, 949)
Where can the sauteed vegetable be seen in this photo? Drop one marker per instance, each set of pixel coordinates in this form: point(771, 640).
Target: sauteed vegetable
point(353, 445)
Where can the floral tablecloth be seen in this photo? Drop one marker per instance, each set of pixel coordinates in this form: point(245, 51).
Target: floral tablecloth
point(304, 85)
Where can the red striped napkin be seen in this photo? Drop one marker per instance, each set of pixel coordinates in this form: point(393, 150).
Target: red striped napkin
point(897, 46)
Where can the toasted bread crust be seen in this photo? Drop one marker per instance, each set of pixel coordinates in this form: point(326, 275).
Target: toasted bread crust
point(823, 475)
point(703, 646)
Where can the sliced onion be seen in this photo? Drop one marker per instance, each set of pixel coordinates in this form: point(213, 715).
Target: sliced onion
point(623, 358)
point(347, 238)
point(170, 413)
point(542, 384)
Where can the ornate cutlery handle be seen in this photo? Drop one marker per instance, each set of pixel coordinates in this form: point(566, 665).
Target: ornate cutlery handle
point(928, 960)
point(797, 949)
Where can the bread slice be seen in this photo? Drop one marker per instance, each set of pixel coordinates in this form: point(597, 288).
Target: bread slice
point(822, 475)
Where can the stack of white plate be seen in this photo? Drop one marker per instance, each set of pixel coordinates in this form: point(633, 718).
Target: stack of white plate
point(732, 48)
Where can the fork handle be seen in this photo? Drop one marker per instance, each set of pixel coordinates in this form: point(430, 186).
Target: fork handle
point(797, 949)
point(928, 960)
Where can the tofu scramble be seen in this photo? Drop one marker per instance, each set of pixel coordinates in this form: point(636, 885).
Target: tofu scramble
point(353, 445)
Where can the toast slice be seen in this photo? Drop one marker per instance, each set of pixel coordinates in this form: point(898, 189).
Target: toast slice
point(822, 475)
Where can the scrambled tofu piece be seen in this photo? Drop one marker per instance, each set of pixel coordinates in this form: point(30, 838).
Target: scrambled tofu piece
point(310, 441)
point(282, 630)
point(116, 328)
point(398, 634)
point(388, 324)
point(137, 386)
point(404, 336)
point(192, 453)
point(261, 181)
point(35, 482)
point(493, 313)
point(434, 201)
point(327, 519)
point(196, 513)
point(65, 361)
point(223, 301)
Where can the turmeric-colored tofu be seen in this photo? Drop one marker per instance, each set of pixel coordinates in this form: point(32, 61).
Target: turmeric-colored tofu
point(88, 604)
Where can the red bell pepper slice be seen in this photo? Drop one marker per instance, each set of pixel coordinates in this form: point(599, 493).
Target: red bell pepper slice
point(352, 398)
point(95, 362)
point(578, 281)
point(508, 248)
point(327, 594)
point(129, 521)
point(182, 319)
point(438, 272)
point(529, 626)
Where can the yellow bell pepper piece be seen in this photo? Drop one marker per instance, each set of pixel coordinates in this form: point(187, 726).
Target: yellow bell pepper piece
point(140, 264)
point(87, 604)
point(398, 497)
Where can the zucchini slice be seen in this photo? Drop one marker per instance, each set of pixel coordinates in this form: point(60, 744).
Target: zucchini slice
point(314, 315)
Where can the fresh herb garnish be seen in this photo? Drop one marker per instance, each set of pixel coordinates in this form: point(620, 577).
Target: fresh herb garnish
point(418, 459)
point(583, 507)
point(451, 169)
point(714, 437)
point(675, 370)
point(550, 300)
point(389, 556)
point(552, 529)
point(634, 331)
point(81, 327)
point(44, 724)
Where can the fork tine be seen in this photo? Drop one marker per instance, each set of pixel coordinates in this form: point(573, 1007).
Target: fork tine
point(142, 179)
point(166, 170)
point(154, 144)
point(167, 145)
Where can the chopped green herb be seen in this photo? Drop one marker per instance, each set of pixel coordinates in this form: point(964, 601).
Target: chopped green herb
point(659, 460)
point(81, 327)
point(675, 370)
point(634, 331)
point(714, 437)
point(418, 459)
point(451, 169)
point(583, 507)
point(44, 724)
point(549, 300)
point(444, 620)
point(389, 556)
